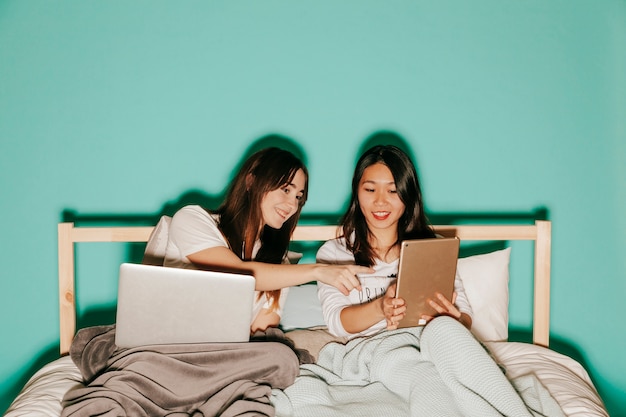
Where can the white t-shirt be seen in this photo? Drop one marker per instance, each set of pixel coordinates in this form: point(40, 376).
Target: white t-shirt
point(373, 286)
point(193, 229)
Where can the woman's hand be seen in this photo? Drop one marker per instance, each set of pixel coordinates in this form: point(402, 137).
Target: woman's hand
point(342, 277)
point(394, 308)
point(445, 307)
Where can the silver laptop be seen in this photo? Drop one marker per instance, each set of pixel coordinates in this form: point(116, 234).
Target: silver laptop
point(160, 305)
point(426, 266)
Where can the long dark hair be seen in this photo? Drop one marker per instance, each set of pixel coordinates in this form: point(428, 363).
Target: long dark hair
point(240, 213)
point(413, 224)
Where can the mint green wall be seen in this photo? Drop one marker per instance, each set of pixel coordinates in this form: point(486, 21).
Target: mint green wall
point(121, 107)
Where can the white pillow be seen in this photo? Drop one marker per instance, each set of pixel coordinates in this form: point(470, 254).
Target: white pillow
point(302, 309)
point(157, 242)
point(486, 282)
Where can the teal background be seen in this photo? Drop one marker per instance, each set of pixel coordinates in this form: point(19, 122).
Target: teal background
point(122, 109)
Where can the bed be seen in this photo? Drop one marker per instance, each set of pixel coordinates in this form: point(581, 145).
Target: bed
point(485, 277)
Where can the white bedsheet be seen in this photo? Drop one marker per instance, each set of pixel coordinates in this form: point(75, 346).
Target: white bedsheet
point(566, 379)
point(42, 394)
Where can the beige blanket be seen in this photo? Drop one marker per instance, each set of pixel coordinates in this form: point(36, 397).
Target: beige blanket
point(216, 379)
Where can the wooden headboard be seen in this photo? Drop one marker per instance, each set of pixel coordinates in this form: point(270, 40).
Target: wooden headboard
point(540, 233)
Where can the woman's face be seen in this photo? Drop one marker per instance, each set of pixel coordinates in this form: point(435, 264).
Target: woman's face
point(279, 205)
point(378, 198)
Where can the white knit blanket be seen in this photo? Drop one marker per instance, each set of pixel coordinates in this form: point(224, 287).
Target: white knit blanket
point(437, 370)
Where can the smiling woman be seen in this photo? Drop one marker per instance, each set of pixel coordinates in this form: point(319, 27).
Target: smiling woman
point(386, 208)
point(251, 231)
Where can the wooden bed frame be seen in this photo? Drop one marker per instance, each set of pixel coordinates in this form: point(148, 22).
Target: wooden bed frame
point(540, 233)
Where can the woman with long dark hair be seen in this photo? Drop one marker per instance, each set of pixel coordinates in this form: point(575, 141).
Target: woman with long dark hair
point(386, 208)
point(251, 231)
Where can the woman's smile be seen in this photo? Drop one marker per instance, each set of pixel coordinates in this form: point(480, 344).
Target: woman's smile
point(381, 215)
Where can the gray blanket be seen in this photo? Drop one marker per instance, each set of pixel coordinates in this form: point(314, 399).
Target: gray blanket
point(215, 379)
point(437, 370)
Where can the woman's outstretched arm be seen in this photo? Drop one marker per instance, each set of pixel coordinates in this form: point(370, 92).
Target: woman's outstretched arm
point(276, 276)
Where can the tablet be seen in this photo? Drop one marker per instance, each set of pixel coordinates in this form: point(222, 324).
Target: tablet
point(426, 266)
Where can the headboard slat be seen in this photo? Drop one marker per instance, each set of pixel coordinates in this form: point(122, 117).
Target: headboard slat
point(541, 314)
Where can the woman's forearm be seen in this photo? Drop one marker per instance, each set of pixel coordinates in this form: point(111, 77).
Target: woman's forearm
point(359, 317)
point(276, 276)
